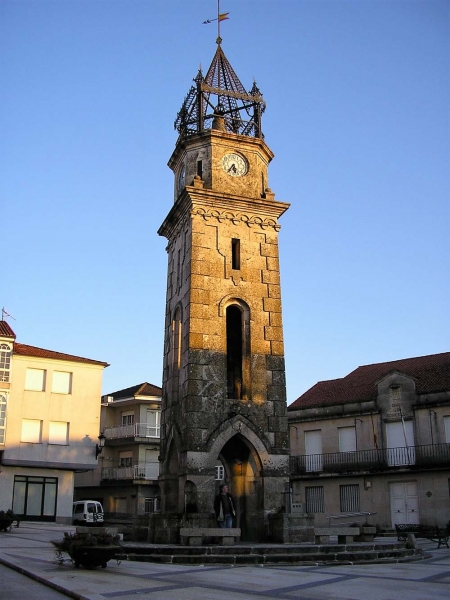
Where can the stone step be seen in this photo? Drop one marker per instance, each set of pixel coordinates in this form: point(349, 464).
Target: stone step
point(314, 554)
point(260, 549)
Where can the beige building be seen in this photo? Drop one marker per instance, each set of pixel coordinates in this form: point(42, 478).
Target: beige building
point(126, 478)
point(377, 440)
point(49, 426)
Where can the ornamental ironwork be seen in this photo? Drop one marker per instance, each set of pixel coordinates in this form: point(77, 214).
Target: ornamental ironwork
point(220, 101)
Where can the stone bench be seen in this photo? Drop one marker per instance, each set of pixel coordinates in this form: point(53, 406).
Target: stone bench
point(195, 536)
point(345, 534)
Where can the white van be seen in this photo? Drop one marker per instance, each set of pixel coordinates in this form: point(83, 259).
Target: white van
point(87, 512)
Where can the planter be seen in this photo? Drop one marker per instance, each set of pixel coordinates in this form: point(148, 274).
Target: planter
point(7, 518)
point(92, 556)
point(88, 550)
point(5, 523)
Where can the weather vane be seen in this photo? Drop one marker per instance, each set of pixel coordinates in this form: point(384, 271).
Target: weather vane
point(220, 17)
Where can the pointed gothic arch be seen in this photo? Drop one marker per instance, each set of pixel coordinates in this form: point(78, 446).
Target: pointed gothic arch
point(237, 425)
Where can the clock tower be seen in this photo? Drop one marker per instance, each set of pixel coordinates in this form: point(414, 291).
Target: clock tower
point(224, 397)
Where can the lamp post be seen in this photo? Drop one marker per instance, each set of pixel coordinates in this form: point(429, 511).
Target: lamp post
point(99, 447)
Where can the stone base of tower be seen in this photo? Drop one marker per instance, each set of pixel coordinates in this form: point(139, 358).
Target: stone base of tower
point(164, 528)
point(291, 528)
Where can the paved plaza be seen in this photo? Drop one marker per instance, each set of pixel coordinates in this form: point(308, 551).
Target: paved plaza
point(28, 550)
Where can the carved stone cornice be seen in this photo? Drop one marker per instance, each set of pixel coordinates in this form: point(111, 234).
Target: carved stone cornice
point(195, 201)
point(236, 217)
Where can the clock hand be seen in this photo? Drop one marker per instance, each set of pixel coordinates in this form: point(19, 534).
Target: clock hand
point(232, 168)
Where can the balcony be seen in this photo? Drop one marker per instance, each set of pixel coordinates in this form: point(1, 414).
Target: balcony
point(433, 455)
point(135, 430)
point(141, 471)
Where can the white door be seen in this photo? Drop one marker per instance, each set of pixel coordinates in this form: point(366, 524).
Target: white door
point(313, 450)
point(400, 443)
point(404, 503)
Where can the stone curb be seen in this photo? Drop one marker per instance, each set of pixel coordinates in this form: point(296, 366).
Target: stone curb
point(46, 582)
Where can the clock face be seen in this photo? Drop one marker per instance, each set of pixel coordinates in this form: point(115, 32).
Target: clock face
point(234, 164)
point(181, 178)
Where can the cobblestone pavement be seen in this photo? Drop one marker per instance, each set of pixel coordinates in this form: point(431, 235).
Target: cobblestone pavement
point(29, 551)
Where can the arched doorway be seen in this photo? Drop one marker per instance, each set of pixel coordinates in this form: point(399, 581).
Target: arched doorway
point(243, 476)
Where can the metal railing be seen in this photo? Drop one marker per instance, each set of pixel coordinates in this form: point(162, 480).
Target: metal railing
point(142, 430)
point(140, 471)
point(351, 515)
point(362, 460)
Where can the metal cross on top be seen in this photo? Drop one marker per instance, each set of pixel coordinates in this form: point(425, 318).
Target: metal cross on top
point(220, 17)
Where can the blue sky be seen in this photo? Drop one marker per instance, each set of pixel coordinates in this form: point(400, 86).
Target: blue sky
point(358, 96)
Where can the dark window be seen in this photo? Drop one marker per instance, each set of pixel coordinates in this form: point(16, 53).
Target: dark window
point(234, 352)
point(314, 499)
point(200, 168)
point(235, 254)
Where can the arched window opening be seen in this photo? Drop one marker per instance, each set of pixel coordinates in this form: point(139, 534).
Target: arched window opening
point(234, 352)
point(5, 362)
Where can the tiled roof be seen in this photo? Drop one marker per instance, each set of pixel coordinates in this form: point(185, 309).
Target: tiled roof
point(431, 374)
point(25, 350)
point(6, 330)
point(142, 389)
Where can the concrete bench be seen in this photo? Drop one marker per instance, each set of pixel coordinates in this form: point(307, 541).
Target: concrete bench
point(196, 536)
point(345, 535)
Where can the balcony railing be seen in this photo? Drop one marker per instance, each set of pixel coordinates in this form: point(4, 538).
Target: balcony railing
point(370, 460)
point(141, 471)
point(141, 430)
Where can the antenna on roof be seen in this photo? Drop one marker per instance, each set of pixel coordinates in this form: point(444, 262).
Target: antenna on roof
point(6, 314)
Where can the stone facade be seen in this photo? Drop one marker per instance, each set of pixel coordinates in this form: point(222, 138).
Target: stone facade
point(377, 440)
point(224, 394)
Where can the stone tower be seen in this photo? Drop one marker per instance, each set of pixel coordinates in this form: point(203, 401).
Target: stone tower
point(224, 396)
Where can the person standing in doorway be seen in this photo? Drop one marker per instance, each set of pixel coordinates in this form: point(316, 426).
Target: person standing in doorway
point(224, 507)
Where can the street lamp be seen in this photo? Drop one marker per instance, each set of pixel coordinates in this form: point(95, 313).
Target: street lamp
point(99, 447)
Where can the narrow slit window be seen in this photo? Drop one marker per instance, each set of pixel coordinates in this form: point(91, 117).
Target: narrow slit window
point(200, 168)
point(235, 254)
